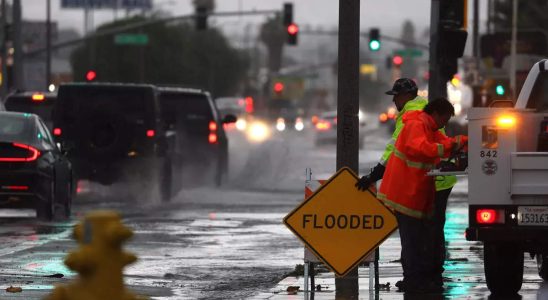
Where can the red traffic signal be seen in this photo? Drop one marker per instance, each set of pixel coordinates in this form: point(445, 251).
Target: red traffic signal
point(397, 60)
point(292, 29)
point(91, 75)
point(292, 33)
point(278, 87)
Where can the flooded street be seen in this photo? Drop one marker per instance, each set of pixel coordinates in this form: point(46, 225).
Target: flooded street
point(229, 242)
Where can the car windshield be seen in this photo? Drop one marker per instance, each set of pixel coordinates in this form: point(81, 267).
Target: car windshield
point(16, 128)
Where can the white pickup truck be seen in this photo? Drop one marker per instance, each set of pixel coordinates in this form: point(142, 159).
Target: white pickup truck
point(508, 183)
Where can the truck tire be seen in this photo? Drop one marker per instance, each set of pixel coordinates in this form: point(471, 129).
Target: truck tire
point(542, 264)
point(503, 263)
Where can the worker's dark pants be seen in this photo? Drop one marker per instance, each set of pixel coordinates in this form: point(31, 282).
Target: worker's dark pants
point(416, 263)
point(438, 251)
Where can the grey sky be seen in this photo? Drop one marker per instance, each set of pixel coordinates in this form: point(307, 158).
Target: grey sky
point(386, 14)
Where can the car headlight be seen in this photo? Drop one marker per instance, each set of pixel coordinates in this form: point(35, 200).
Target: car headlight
point(299, 125)
point(241, 124)
point(258, 132)
point(280, 124)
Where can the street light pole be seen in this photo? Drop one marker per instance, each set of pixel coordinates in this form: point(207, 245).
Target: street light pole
point(347, 112)
point(48, 44)
point(4, 51)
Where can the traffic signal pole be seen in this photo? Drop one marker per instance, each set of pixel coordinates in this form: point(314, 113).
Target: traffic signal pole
point(437, 86)
point(347, 112)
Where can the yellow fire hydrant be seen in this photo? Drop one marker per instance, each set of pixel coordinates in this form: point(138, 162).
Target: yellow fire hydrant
point(99, 260)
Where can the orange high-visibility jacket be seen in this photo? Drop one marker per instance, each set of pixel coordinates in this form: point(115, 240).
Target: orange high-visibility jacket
point(405, 186)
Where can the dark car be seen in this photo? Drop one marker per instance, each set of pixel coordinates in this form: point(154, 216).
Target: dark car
point(114, 134)
point(33, 171)
point(202, 140)
point(39, 103)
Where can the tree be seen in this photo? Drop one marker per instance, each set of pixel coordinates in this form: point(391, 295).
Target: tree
point(175, 54)
point(273, 35)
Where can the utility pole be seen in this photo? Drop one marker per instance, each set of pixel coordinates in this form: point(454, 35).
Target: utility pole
point(513, 49)
point(18, 67)
point(347, 113)
point(436, 85)
point(4, 50)
point(48, 44)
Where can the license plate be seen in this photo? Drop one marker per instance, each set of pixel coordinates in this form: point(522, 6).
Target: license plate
point(533, 215)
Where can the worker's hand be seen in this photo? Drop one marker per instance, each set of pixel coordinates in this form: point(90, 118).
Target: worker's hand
point(364, 183)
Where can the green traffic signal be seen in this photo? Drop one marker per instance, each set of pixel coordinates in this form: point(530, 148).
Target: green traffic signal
point(500, 90)
point(374, 45)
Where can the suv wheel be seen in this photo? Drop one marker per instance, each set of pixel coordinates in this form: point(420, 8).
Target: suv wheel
point(542, 264)
point(503, 264)
point(45, 210)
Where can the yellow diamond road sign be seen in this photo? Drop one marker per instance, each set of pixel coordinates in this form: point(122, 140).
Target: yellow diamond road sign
point(341, 224)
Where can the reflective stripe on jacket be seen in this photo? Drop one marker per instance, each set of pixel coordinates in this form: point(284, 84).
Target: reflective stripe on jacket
point(420, 146)
point(442, 182)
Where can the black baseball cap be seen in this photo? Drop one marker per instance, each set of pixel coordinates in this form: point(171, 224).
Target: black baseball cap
point(403, 85)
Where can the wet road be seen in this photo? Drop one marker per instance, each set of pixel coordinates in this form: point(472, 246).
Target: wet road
point(229, 242)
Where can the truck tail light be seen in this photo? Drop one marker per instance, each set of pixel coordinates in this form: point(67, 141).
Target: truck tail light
point(487, 216)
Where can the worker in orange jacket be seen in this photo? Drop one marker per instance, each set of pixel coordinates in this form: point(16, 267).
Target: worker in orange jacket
point(409, 191)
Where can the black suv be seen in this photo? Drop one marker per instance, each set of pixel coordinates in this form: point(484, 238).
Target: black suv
point(201, 139)
point(113, 133)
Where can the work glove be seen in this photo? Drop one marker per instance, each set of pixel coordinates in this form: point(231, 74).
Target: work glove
point(366, 181)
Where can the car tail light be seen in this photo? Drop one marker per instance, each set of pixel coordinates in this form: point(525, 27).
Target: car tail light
point(383, 118)
point(151, 133)
point(212, 138)
point(212, 126)
point(38, 97)
point(30, 155)
point(57, 131)
point(249, 105)
point(16, 187)
point(323, 125)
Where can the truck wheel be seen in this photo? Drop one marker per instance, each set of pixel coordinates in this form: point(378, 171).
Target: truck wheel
point(542, 264)
point(503, 264)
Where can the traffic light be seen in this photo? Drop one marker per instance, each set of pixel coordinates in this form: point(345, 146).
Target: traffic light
point(91, 75)
point(201, 18)
point(288, 14)
point(292, 34)
point(451, 36)
point(397, 60)
point(374, 39)
point(278, 88)
point(500, 90)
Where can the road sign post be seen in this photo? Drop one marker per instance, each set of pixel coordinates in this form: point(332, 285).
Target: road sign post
point(347, 111)
point(340, 224)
